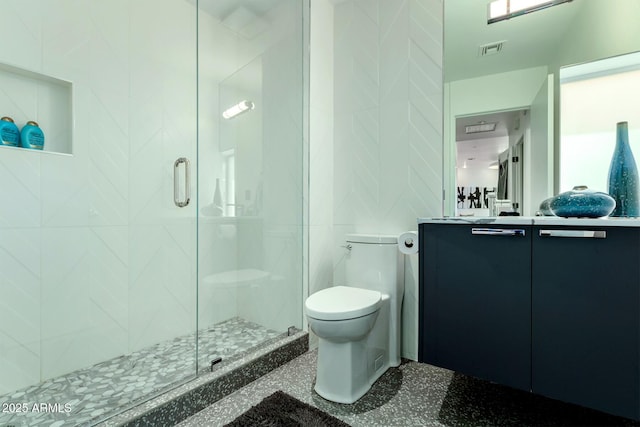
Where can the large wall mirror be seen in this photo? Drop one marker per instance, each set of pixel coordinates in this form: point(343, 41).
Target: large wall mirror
point(502, 114)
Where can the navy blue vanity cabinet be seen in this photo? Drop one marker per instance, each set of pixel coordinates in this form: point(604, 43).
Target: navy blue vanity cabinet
point(475, 300)
point(585, 316)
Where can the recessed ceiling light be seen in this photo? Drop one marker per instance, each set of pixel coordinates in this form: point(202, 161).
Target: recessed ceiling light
point(480, 127)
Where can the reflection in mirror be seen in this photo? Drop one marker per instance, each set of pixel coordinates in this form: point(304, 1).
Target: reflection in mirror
point(488, 162)
point(588, 129)
point(521, 75)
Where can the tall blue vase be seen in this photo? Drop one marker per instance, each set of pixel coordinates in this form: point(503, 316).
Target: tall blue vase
point(623, 176)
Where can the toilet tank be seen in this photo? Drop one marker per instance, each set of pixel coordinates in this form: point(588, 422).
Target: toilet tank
point(374, 262)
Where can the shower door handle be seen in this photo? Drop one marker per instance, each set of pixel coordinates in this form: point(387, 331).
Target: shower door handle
point(176, 182)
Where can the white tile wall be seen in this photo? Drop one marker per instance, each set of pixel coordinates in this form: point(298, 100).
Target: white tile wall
point(321, 148)
point(20, 275)
point(387, 139)
point(22, 189)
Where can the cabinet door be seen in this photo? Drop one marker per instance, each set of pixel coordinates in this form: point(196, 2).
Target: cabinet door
point(585, 317)
point(475, 301)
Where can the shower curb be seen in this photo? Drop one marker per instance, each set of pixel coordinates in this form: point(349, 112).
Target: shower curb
point(194, 396)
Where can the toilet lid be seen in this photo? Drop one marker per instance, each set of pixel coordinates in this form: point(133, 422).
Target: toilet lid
point(342, 302)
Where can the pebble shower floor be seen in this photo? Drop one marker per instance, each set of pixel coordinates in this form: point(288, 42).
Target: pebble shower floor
point(93, 393)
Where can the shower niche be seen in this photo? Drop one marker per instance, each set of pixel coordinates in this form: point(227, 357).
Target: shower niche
point(28, 95)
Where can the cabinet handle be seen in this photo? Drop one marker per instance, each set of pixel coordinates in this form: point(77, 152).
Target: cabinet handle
point(574, 233)
point(498, 232)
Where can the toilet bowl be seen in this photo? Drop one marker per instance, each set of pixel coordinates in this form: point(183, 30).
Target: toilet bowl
point(343, 317)
point(357, 324)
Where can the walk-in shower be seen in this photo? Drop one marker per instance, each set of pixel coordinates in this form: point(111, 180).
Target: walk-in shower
point(152, 236)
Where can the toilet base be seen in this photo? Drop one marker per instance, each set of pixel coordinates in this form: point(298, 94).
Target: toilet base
point(346, 371)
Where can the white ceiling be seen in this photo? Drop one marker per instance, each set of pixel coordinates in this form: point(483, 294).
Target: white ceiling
point(529, 41)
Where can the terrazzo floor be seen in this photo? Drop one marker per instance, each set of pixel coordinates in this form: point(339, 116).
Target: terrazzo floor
point(413, 394)
point(100, 390)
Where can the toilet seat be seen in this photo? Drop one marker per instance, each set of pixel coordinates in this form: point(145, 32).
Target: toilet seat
point(342, 303)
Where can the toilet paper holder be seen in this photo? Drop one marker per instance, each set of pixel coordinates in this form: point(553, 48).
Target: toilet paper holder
point(408, 242)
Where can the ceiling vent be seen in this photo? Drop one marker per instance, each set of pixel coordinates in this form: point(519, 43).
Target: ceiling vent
point(491, 48)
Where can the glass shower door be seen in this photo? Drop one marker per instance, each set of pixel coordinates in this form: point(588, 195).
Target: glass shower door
point(97, 263)
point(251, 91)
point(162, 309)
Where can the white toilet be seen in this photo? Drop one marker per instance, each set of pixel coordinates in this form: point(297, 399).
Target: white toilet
point(358, 323)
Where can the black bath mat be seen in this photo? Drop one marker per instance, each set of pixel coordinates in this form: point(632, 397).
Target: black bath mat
point(280, 409)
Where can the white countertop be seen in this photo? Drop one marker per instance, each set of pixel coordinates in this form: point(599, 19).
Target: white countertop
point(534, 220)
point(479, 220)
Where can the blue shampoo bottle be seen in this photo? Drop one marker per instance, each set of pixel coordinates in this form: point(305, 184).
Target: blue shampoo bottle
point(9, 133)
point(32, 136)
